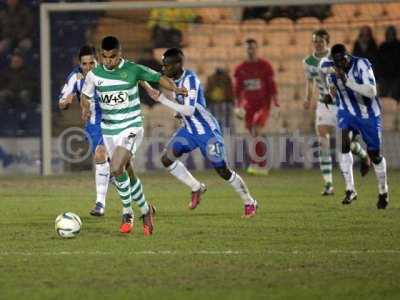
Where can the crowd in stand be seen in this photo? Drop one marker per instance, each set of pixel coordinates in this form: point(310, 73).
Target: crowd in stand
point(19, 76)
point(18, 80)
point(385, 59)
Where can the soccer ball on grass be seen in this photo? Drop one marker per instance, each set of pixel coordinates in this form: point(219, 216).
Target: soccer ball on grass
point(68, 225)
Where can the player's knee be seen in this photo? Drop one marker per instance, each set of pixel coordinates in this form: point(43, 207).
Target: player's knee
point(116, 169)
point(375, 157)
point(165, 160)
point(100, 155)
point(324, 142)
point(224, 172)
point(323, 133)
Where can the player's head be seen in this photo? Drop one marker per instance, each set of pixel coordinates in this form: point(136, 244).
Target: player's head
point(340, 57)
point(110, 52)
point(320, 39)
point(251, 48)
point(87, 58)
point(172, 62)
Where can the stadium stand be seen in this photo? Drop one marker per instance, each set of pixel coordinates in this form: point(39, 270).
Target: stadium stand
point(215, 39)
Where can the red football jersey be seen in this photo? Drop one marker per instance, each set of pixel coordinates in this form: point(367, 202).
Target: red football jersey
point(255, 84)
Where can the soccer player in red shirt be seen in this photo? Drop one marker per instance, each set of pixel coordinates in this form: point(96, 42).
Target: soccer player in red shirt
point(255, 90)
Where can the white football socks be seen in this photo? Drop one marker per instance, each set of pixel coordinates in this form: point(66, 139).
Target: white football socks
point(102, 179)
point(182, 174)
point(380, 172)
point(346, 165)
point(240, 187)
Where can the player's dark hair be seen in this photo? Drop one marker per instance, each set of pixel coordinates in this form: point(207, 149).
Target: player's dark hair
point(110, 43)
point(174, 53)
point(322, 33)
point(86, 50)
point(251, 41)
point(338, 49)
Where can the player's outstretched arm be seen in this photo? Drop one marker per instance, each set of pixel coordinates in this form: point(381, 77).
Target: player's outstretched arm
point(153, 93)
point(169, 85)
point(68, 92)
point(183, 109)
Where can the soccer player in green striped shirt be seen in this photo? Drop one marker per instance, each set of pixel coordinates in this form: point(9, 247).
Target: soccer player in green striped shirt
point(116, 82)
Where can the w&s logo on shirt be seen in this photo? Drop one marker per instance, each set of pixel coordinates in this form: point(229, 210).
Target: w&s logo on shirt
point(114, 98)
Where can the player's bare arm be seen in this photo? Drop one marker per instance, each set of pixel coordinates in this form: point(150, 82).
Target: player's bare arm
point(85, 107)
point(184, 109)
point(153, 93)
point(169, 85)
point(309, 93)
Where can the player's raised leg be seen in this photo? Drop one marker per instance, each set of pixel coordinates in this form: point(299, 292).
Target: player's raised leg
point(102, 176)
point(240, 187)
point(213, 148)
point(358, 150)
point(346, 165)
point(179, 144)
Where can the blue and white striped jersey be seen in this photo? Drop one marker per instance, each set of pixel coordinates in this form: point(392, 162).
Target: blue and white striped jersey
point(349, 97)
point(202, 121)
point(74, 85)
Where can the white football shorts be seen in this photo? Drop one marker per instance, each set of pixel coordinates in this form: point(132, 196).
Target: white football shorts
point(325, 115)
point(130, 139)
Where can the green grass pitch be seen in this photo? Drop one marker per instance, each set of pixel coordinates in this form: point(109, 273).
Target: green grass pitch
point(298, 246)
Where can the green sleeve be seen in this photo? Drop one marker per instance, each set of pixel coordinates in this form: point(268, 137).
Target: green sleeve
point(146, 74)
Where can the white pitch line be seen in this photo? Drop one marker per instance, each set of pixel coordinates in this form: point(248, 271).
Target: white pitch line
point(202, 252)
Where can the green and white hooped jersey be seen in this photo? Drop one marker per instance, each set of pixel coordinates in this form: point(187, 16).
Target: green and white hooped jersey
point(118, 94)
point(311, 69)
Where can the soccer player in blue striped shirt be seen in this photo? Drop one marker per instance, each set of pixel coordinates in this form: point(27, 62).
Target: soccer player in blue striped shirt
point(352, 83)
point(72, 90)
point(200, 130)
